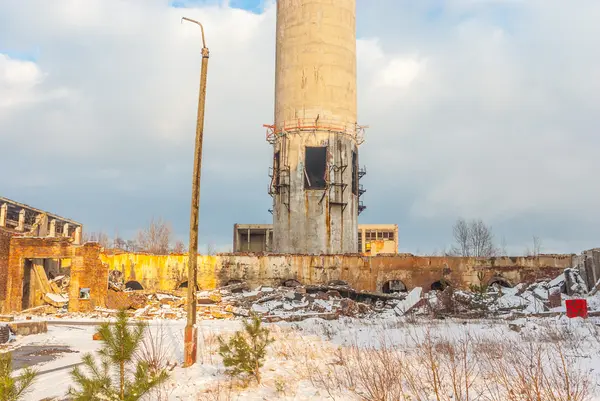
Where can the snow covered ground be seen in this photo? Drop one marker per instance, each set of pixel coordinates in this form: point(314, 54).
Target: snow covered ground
point(323, 360)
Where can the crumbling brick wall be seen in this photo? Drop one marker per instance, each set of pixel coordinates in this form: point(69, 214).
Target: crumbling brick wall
point(87, 270)
point(4, 251)
point(363, 273)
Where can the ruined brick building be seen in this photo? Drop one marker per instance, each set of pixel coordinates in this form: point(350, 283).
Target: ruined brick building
point(23, 219)
point(37, 247)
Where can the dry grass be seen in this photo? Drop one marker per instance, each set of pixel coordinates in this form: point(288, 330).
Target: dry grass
point(221, 391)
point(207, 347)
point(463, 368)
point(426, 364)
point(156, 349)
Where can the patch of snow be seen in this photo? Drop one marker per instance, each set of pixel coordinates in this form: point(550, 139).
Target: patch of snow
point(324, 304)
point(258, 308)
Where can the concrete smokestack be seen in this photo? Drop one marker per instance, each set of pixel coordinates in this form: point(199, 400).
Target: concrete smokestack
point(314, 180)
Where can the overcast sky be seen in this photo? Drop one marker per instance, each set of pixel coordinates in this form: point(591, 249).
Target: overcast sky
point(477, 108)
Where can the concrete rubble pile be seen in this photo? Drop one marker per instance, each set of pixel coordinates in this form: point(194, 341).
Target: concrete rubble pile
point(145, 304)
point(294, 303)
point(115, 280)
point(542, 297)
point(290, 302)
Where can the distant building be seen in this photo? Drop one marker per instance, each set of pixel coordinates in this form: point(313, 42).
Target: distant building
point(373, 239)
point(377, 238)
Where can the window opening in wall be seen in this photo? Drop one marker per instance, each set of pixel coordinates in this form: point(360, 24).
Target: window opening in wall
point(185, 285)
point(27, 278)
point(84, 293)
point(354, 173)
point(387, 235)
point(439, 285)
point(276, 172)
point(499, 282)
point(315, 167)
point(393, 286)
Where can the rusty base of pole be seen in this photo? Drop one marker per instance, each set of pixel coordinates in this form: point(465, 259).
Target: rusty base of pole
point(190, 346)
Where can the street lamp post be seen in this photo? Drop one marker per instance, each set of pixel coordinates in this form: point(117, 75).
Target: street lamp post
point(191, 333)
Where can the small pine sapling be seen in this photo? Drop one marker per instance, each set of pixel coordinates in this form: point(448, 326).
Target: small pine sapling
point(14, 388)
point(119, 345)
point(245, 351)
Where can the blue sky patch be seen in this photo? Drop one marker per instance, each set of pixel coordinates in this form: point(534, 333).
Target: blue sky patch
point(255, 6)
point(31, 55)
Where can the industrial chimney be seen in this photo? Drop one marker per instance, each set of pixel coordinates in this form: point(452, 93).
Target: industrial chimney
point(315, 174)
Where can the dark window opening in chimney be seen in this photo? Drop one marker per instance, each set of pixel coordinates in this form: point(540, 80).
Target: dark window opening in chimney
point(315, 167)
point(276, 173)
point(354, 173)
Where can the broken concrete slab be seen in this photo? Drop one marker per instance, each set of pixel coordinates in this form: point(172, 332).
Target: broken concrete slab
point(413, 300)
point(56, 300)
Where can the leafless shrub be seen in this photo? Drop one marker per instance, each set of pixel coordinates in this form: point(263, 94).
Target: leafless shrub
point(222, 391)
point(156, 349)
point(290, 346)
point(563, 333)
point(372, 373)
point(207, 347)
point(534, 372)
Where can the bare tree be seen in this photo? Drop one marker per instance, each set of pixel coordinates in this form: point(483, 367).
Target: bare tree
point(156, 238)
point(131, 246)
point(179, 247)
point(462, 236)
point(211, 249)
point(99, 237)
point(503, 247)
point(482, 239)
point(537, 247)
point(120, 243)
point(473, 238)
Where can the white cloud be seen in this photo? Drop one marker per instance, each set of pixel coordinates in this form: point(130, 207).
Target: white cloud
point(488, 109)
point(400, 72)
point(17, 81)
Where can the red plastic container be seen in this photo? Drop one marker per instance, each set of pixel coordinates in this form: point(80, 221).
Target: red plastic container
point(576, 308)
